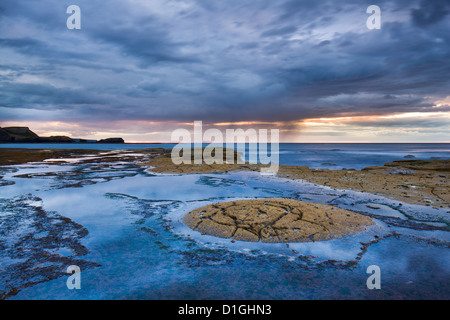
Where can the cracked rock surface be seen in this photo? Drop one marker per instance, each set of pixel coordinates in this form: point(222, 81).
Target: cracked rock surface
point(275, 220)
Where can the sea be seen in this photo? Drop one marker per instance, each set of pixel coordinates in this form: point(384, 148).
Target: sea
point(314, 155)
point(121, 225)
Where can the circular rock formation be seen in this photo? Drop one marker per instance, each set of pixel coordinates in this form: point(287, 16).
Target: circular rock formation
point(275, 220)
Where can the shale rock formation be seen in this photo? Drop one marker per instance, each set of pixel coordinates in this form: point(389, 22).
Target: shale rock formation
point(275, 220)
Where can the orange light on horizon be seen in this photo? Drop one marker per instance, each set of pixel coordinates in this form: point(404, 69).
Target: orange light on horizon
point(405, 126)
point(244, 123)
point(371, 118)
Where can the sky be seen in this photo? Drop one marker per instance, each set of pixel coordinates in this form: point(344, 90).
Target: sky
point(310, 68)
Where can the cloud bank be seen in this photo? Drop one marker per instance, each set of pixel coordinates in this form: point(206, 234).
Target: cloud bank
point(176, 61)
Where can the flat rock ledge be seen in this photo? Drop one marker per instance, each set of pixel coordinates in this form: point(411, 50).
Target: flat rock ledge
point(275, 221)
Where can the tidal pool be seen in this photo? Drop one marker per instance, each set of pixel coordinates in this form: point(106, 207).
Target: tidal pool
point(123, 227)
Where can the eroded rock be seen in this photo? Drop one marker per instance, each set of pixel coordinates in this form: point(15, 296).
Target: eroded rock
point(36, 245)
point(275, 220)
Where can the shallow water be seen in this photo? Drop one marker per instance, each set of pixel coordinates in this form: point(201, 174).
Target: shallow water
point(138, 248)
point(314, 155)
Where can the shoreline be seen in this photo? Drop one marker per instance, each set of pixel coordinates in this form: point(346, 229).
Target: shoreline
point(423, 182)
point(300, 228)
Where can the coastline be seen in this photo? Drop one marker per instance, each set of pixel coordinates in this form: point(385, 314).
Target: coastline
point(422, 182)
point(283, 214)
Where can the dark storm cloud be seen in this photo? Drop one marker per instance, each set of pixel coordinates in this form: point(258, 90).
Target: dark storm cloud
point(221, 61)
point(146, 38)
point(279, 32)
point(37, 95)
point(430, 12)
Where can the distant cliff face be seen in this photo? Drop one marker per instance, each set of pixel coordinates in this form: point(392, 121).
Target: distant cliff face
point(111, 140)
point(17, 134)
point(55, 139)
point(24, 134)
point(4, 136)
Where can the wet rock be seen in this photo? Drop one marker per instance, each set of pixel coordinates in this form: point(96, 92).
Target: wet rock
point(411, 181)
point(36, 245)
point(275, 220)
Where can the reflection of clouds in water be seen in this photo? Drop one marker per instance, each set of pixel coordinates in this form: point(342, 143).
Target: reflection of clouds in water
point(128, 221)
point(218, 182)
point(425, 266)
point(402, 259)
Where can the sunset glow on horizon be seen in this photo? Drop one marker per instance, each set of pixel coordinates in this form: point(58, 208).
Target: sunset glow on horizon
point(316, 72)
point(389, 128)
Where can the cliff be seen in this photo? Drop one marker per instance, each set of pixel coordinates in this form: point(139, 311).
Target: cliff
point(55, 139)
point(111, 140)
point(4, 136)
point(17, 134)
point(25, 135)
